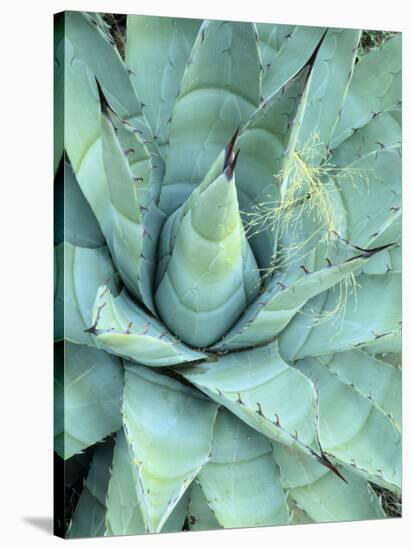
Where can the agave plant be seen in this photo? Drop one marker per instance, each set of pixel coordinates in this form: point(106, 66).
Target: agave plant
point(228, 274)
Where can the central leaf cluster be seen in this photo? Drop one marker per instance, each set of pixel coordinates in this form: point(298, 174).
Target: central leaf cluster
point(207, 273)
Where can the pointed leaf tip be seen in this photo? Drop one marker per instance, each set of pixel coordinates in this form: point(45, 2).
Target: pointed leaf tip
point(230, 147)
point(104, 104)
point(312, 58)
point(230, 168)
point(366, 252)
point(323, 459)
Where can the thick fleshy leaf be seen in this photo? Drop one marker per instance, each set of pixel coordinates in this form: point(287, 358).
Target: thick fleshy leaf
point(215, 98)
point(340, 320)
point(263, 391)
point(89, 384)
point(380, 382)
point(376, 190)
point(82, 132)
point(388, 260)
point(121, 327)
point(177, 518)
point(241, 480)
point(352, 428)
point(211, 274)
point(383, 131)
point(284, 296)
point(297, 469)
point(90, 55)
point(322, 99)
point(89, 516)
point(164, 45)
point(134, 223)
point(58, 89)
point(123, 516)
point(169, 428)
point(85, 269)
point(74, 220)
point(370, 166)
point(58, 294)
point(262, 143)
point(294, 53)
point(93, 46)
point(271, 38)
point(310, 209)
point(172, 224)
point(200, 514)
point(390, 342)
point(322, 495)
point(58, 205)
point(376, 86)
point(124, 493)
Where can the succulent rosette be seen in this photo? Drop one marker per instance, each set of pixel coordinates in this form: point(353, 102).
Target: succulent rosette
point(228, 274)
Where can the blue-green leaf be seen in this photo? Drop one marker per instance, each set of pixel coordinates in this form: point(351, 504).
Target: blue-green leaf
point(321, 494)
point(211, 274)
point(373, 174)
point(124, 493)
point(89, 516)
point(340, 319)
point(88, 385)
point(352, 427)
point(284, 296)
point(119, 326)
point(262, 143)
point(200, 515)
point(74, 219)
point(271, 38)
point(263, 391)
point(372, 378)
point(124, 497)
point(215, 98)
point(85, 269)
point(133, 222)
point(321, 102)
point(58, 294)
point(376, 86)
point(94, 47)
point(90, 55)
point(164, 45)
point(293, 54)
point(241, 480)
point(58, 89)
point(169, 429)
